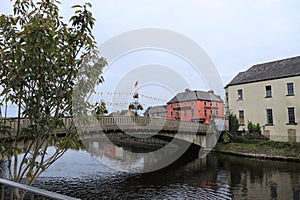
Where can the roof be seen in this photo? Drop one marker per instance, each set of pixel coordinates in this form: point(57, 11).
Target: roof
point(156, 108)
point(163, 107)
point(190, 95)
point(268, 71)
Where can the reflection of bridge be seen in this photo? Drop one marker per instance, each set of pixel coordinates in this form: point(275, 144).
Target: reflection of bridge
point(199, 134)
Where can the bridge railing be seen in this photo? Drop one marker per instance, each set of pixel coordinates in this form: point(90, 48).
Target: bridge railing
point(123, 122)
point(6, 185)
point(144, 123)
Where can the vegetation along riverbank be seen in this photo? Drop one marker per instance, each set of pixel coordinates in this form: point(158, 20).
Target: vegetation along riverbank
point(264, 149)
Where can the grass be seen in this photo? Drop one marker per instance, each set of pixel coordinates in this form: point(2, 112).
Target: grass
point(260, 147)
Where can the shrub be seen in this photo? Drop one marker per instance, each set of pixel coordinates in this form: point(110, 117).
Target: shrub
point(226, 138)
point(254, 128)
point(233, 123)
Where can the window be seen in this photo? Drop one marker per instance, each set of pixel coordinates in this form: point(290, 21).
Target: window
point(205, 103)
point(192, 112)
point(217, 104)
point(227, 97)
point(177, 115)
point(185, 113)
point(268, 91)
point(290, 89)
point(172, 113)
point(241, 117)
point(205, 113)
point(211, 103)
point(217, 113)
point(291, 115)
point(240, 94)
point(269, 116)
point(211, 112)
point(192, 103)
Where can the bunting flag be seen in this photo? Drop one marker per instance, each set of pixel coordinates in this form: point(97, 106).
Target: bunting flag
point(106, 96)
point(129, 94)
point(136, 84)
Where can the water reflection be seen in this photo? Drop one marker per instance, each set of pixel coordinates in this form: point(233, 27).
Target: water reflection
point(257, 179)
point(133, 154)
point(217, 176)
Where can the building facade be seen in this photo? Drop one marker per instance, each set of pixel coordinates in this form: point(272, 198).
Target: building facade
point(268, 94)
point(196, 106)
point(156, 112)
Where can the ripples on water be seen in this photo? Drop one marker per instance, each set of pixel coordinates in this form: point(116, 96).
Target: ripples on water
point(218, 176)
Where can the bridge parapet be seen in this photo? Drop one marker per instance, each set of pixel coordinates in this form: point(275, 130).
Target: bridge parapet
point(111, 123)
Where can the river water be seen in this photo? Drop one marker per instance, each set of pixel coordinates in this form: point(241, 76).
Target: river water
point(217, 176)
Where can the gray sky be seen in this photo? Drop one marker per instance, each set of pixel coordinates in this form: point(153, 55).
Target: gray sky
point(235, 33)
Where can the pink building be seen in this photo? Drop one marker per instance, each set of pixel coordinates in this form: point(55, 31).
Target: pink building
point(197, 106)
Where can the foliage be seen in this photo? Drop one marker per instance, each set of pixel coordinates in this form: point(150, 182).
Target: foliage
point(226, 138)
point(135, 108)
point(131, 107)
point(100, 109)
point(242, 139)
point(233, 123)
point(253, 128)
point(41, 59)
point(140, 107)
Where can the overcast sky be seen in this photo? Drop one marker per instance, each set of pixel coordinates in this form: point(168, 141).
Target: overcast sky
point(235, 33)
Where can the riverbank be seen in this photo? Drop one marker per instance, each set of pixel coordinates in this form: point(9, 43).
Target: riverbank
point(287, 151)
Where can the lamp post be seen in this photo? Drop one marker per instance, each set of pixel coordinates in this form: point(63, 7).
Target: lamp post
point(135, 105)
point(136, 101)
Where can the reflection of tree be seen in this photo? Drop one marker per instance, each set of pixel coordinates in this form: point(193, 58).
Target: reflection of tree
point(41, 60)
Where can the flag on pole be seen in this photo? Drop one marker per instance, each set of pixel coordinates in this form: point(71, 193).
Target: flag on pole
point(136, 84)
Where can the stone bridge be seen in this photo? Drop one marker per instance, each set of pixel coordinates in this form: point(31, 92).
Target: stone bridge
point(143, 127)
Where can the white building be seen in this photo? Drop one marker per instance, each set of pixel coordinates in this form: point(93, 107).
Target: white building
point(268, 94)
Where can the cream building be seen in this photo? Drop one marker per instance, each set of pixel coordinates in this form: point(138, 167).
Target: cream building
point(268, 94)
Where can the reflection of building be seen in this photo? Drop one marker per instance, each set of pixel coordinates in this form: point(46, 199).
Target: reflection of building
point(268, 94)
point(196, 106)
point(156, 112)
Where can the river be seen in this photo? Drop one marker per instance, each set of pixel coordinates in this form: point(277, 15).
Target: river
point(217, 176)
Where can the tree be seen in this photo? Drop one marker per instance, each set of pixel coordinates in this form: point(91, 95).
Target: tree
point(233, 123)
point(41, 59)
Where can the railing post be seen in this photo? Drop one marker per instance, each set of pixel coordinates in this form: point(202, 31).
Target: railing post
point(2, 192)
